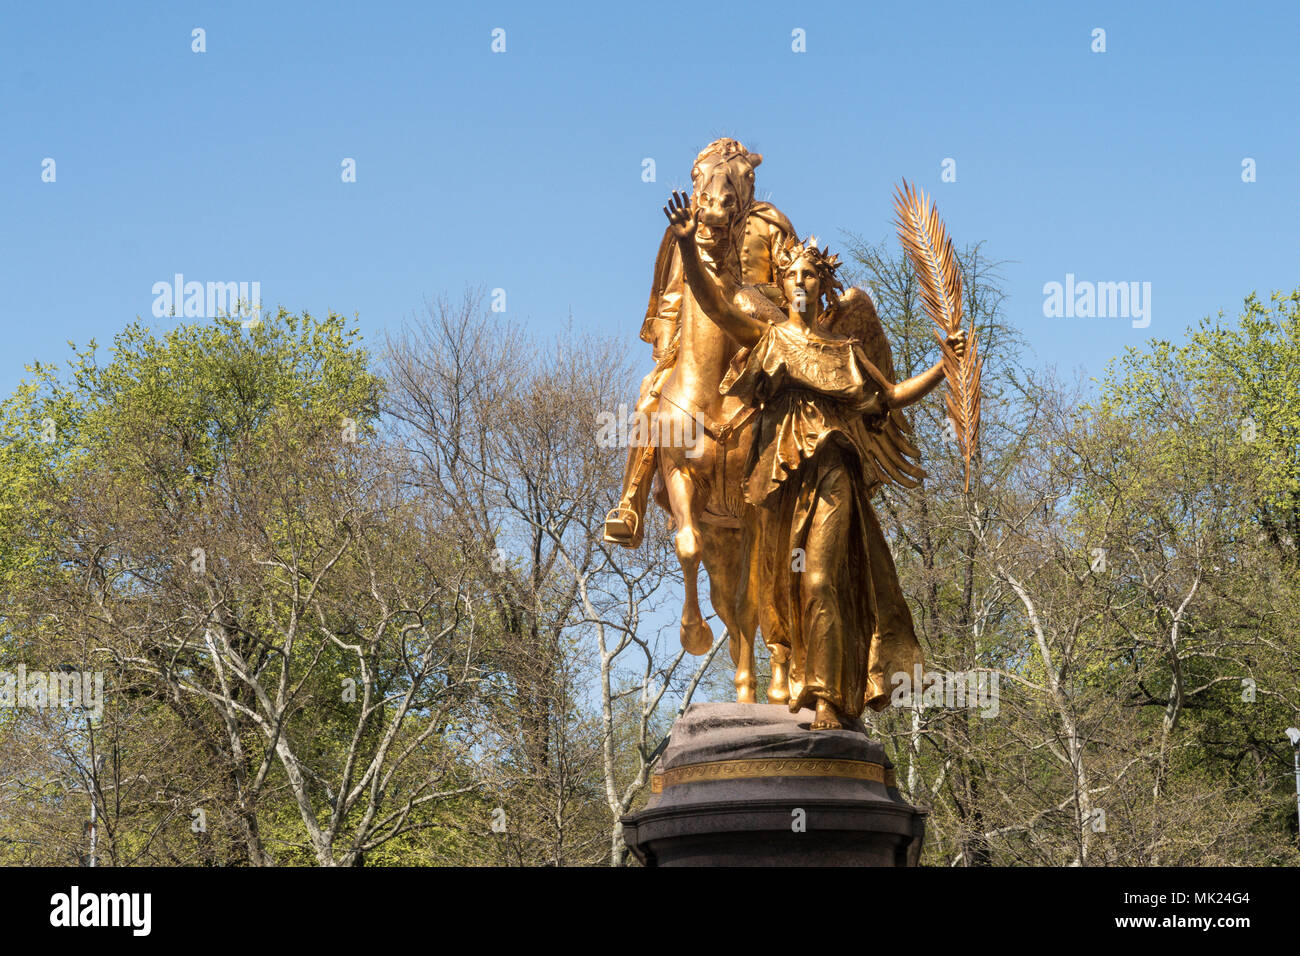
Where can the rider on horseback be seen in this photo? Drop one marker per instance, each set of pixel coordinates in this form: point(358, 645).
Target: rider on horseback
point(766, 229)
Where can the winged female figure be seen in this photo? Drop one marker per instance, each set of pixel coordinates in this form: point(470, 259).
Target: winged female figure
point(829, 432)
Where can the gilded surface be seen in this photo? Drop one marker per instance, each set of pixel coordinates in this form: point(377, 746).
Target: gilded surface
point(802, 421)
point(772, 767)
point(700, 485)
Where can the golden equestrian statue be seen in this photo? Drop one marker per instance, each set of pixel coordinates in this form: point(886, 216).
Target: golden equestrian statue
point(700, 478)
point(828, 432)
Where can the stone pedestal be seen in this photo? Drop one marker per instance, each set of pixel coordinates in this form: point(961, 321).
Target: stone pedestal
point(751, 785)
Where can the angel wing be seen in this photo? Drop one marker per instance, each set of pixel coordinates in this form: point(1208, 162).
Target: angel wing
point(891, 451)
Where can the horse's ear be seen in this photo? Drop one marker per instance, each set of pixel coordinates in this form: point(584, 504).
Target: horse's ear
point(755, 159)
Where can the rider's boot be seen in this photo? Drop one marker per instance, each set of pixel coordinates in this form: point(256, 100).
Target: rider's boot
point(625, 524)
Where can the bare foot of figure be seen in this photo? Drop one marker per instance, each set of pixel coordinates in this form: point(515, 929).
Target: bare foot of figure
point(827, 718)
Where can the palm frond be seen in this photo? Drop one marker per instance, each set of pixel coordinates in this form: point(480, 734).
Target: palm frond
point(930, 250)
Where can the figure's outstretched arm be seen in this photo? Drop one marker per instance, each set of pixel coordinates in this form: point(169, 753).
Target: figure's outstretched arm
point(715, 293)
point(919, 386)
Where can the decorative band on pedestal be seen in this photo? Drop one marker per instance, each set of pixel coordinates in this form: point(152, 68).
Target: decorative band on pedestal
point(771, 767)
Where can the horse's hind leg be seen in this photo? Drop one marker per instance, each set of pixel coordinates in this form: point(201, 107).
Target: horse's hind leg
point(697, 638)
point(778, 647)
point(723, 561)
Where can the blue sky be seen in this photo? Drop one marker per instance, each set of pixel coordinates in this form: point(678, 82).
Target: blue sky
point(522, 170)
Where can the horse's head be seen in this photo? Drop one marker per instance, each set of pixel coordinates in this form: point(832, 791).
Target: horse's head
point(723, 182)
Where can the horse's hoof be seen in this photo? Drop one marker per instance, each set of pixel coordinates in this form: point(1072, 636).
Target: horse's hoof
point(697, 638)
point(745, 695)
point(778, 690)
point(826, 725)
point(778, 693)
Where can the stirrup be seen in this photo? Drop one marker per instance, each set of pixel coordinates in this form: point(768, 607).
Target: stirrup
point(622, 526)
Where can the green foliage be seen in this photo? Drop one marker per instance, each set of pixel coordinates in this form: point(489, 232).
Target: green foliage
point(166, 410)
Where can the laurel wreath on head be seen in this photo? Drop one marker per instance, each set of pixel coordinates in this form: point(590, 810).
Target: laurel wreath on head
point(824, 261)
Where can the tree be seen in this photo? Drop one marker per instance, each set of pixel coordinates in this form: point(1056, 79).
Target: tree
point(506, 430)
point(217, 525)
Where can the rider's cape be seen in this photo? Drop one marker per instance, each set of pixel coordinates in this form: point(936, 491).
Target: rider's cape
point(663, 263)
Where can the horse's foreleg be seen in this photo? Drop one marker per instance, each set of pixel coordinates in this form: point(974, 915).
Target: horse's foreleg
point(747, 628)
point(697, 638)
